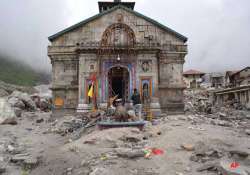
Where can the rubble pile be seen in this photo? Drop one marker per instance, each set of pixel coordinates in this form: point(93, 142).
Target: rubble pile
point(22, 101)
point(69, 124)
point(197, 101)
point(15, 102)
point(7, 114)
point(6, 89)
point(182, 144)
point(14, 153)
point(112, 147)
point(220, 158)
point(201, 110)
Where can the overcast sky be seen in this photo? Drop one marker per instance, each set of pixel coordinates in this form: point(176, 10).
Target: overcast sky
point(218, 30)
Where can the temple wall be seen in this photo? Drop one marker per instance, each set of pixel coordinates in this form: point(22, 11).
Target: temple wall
point(92, 32)
point(72, 66)
point(171, 82)
point(147, 70)
point(64, 83)
point(88, 66)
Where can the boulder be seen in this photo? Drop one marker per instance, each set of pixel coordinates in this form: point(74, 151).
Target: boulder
point(7, 114)
point(248, 106)
point(240, 152)
point(25, 160)
point(247, 131)
point(3, 93)
point(2, 169)
point(25, 98)
point(45, 105)
point(18, 112)
point(188, 147)
point(29, 115)
point(129, 153)
point(248, 116)
point(211, 165)
point(101, 171)
point(15, 102)
point(222, 115)
point(40, 120)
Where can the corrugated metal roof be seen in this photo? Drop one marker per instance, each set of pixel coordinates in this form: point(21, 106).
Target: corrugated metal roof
point(193, 72)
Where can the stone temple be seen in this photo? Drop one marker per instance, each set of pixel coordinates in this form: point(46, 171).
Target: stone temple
point(124, 50)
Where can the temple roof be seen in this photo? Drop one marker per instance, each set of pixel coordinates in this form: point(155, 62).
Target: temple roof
point(119, 6)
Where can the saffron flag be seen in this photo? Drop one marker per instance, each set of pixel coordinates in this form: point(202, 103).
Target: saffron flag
point(91, 91)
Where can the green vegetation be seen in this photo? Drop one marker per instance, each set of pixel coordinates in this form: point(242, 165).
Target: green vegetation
point(16, 72)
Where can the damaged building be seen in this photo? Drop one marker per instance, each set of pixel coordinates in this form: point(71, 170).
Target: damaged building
point(193, 78)
point(238, 91)
point(124, 50)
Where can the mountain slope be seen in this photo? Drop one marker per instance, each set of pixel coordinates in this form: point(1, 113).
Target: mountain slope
point(16, 72)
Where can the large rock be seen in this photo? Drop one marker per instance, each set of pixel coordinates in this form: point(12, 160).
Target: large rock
point(25, 98)
point(129, 153)
point(15, 102)
point(2, 169)
point(187, 147)
point(7, 114)
point(101, 171)
point(211, 165)
point(18, 112)
point(3, 93)
point(45, 105)
point(25, 160)
point(247, 131)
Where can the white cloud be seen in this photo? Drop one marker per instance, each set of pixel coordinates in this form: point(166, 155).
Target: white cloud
point(217, 29)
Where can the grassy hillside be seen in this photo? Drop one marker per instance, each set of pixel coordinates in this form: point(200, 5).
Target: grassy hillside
point(15, 72)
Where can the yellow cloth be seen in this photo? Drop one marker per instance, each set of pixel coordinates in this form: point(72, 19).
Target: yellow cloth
point(91, 92)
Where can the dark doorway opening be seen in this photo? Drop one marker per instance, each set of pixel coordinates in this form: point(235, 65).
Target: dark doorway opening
point(118, 86)
point(119, 82)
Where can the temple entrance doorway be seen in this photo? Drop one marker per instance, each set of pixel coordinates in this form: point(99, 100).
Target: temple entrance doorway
point(118, 78)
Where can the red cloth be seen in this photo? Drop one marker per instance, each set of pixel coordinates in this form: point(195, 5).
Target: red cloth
point(156, 151)
point(93, 78)
point(234, 165)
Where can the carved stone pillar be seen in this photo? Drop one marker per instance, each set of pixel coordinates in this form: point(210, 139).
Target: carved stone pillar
point(64, 83)
point(171, 84)
point(87, 66)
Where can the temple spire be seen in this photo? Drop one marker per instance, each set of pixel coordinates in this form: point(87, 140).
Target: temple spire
point(104, 5)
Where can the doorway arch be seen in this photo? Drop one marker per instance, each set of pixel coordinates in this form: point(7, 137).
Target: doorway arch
point(118, 82)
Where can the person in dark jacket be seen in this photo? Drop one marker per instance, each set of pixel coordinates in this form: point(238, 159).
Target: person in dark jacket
point(136, 98)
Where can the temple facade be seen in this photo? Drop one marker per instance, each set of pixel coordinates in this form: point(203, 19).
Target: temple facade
point(124, 50)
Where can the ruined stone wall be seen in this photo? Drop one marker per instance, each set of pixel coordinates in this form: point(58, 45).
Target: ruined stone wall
point(245, 76)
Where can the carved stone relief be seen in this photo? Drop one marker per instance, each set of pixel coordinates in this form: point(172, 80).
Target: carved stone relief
point(145, 66)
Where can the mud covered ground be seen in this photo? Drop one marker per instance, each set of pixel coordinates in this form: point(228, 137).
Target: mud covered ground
point(190, 145)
